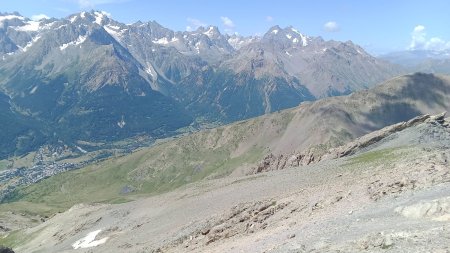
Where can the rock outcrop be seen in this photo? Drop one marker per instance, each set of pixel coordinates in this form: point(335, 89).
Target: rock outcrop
point(313, 155)
point(5, 250)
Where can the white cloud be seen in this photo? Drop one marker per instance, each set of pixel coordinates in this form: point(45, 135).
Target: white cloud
point(418, 37)
point(269, 19)
point(92, 3)
point(419, 41)
point(193, 24)
point(38, 17)
point(228, 23)
point(331, 26)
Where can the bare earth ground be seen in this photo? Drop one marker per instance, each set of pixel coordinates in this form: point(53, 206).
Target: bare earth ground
point(393, 196)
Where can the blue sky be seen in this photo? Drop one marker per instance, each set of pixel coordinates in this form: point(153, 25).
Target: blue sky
point(379, 26)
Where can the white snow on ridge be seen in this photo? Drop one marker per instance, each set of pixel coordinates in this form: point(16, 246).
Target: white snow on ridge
point(31, 26)
point(210, 32)
point(89, 240)
point(304, 40)
point(239, 42)
point(98, 17)
point(165, 41)
point(114, 27)
point(48, 26)
point(29, 44)
point(112, 31)
point(80, 40)
point(275, 31)
point(73, 19)
point(294, 30)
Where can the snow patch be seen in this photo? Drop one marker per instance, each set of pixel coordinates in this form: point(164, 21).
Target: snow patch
point(89, 240)
point(81, 150)
point(197, 47)
point(29, 44)
point(210, 32)
point(294, 30)
point(288, 54)
point(288, 36)
point(121, 123)
point(114, 27)
point(61, 26)
point(73, 19)
point(149, 70)
point(235, 42)
point(31, 26)
point(34, 89)
point(99, 17)
point(83, 14)
point(112, 30)
point(295, 40)
point(80, 40)
point(304, 40)
point(48, 26)
point(165, 41)
point(275, 31)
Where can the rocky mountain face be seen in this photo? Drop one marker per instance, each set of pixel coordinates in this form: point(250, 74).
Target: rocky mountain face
point(75, 71)
point(332, 122)
point(312, 156)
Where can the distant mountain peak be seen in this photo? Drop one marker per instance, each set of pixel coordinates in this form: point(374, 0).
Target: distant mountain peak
point(210, 31)
point(289, 36)
point(93, 16)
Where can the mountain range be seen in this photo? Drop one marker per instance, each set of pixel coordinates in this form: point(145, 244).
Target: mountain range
point(88, 78)
point(259, 185)
point(429, 61)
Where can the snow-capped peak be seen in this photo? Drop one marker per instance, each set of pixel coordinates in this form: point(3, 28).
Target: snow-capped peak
point(100, 16)
point(97, 17)
point(211, 32)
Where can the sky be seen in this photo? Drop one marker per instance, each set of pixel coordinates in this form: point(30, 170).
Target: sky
point(379, 26)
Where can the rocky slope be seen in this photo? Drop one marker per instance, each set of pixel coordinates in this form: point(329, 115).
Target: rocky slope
point(312, 155)
point(391, 196)
point(236, 149)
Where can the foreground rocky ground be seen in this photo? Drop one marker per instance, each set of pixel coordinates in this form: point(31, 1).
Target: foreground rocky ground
point(391, 195)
